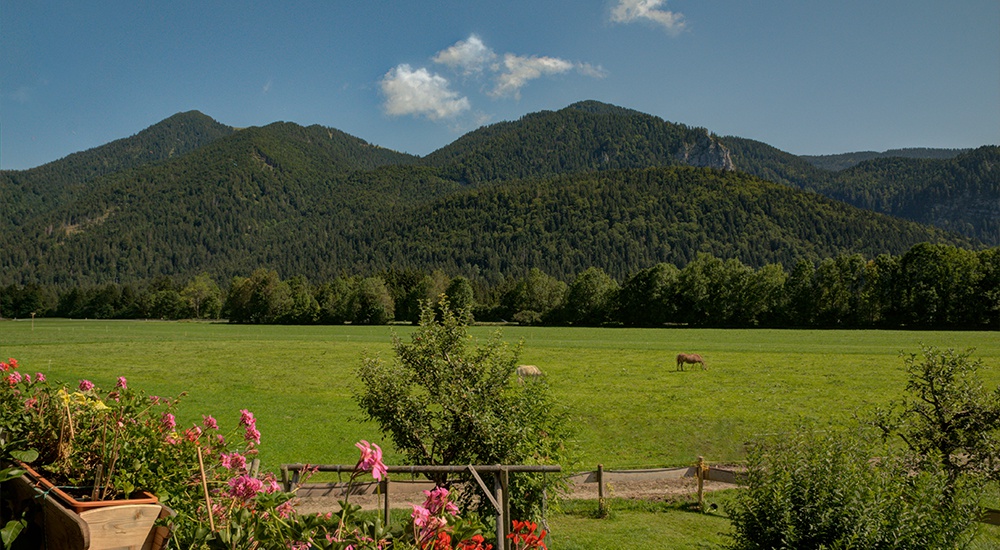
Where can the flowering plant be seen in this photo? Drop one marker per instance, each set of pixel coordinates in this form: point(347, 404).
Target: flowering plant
point(113, 443)
point(119, 441)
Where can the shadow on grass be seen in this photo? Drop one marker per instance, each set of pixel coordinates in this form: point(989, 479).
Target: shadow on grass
point(714, 505)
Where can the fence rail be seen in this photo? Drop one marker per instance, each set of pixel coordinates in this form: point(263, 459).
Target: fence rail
point(498, 496)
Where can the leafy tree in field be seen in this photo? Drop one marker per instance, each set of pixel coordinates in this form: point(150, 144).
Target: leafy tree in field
point(827, 490)
point(334, 301)
point(303, 309)
point(446, 399)
point(203, 297)
point(801, 294)
point(533, 297)
point(649, 298)
point(263, 298)
point(591, 298)
point(938, 285)
point(372, 304)
point(989, 287)
point(460, 295)
point(763, 298)
point(948, 419)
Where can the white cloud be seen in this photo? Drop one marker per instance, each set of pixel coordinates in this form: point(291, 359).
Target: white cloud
point(628, 11)
point(587, 69)
point(467, 56)
point(418, 92)
point(519, 70)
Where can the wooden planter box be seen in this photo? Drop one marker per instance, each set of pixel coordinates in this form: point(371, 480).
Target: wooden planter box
point(57, 521)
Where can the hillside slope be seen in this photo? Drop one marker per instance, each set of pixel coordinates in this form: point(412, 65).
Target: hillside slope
point(585, 136)
point(588, 185)
point(27, 192)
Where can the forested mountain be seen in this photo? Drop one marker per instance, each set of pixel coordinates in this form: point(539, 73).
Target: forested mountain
point(626, 220)
point(238, 203)
point(935, 186)
point(961, 194)
point(588, 185)
point(585, 136)
point(835, 163)
point(26, 192)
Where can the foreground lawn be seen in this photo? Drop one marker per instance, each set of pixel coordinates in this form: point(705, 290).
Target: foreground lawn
point(638, 525)
point(629, 405)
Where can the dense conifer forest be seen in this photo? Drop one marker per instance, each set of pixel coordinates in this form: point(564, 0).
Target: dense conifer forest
point(591, 191)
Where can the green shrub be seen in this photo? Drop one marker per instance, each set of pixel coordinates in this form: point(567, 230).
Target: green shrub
point(824, 490)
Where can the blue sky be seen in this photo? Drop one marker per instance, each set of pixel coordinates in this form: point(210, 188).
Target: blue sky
point(809, 77)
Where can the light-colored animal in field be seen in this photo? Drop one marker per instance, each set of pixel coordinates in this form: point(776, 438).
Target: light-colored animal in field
point(528, 371)
point(691, 358)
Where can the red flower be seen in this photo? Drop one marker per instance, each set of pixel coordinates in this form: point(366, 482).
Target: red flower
point(477, 542)
point(443, 541)
point(524, 536)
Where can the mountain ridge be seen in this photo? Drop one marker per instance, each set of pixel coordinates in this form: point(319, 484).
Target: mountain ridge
point(311, 200)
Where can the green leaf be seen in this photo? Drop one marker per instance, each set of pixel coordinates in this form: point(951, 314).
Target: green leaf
point(27, 456)
point(11, 531)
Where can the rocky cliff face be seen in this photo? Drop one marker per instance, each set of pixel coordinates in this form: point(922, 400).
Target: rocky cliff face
point(706, 152)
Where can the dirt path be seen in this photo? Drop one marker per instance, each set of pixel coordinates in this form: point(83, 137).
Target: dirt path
point(646, 485)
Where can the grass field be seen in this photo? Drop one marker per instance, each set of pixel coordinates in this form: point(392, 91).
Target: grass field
point(630, 407)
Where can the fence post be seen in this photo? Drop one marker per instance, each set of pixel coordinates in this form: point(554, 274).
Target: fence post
point(701, 482)
point(384, 485)
point(498, 494)
point(601, 508)
point(505, 504)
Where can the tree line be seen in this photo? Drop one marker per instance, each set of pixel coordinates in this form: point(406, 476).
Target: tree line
point(929, 286)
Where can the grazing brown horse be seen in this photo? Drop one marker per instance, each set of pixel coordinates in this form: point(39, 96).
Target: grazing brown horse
point(691, 358)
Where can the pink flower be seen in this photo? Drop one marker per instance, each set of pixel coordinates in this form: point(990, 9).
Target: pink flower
point(233, 461)
point(420, 515)
point(209, 422)
point(168, 421)
point(39, 377)
point(286, 509)
point(247, 419)
point(371, 459)
point(252, 434)
point(245, 487)
point(193, 433)
point(122, 383)
point(13, 378)
point(271, 485)
point(437, 500)
point(172, 439)
point(86, 385)
point(30, 403)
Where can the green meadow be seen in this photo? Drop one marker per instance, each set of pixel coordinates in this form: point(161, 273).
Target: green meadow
point(629, 405)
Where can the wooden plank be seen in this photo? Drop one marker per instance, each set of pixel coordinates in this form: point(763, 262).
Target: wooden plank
point(63, 527)
point(120, 527)
point(990, 516)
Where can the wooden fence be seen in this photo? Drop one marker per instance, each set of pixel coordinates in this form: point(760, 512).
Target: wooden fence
point(498, 495)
